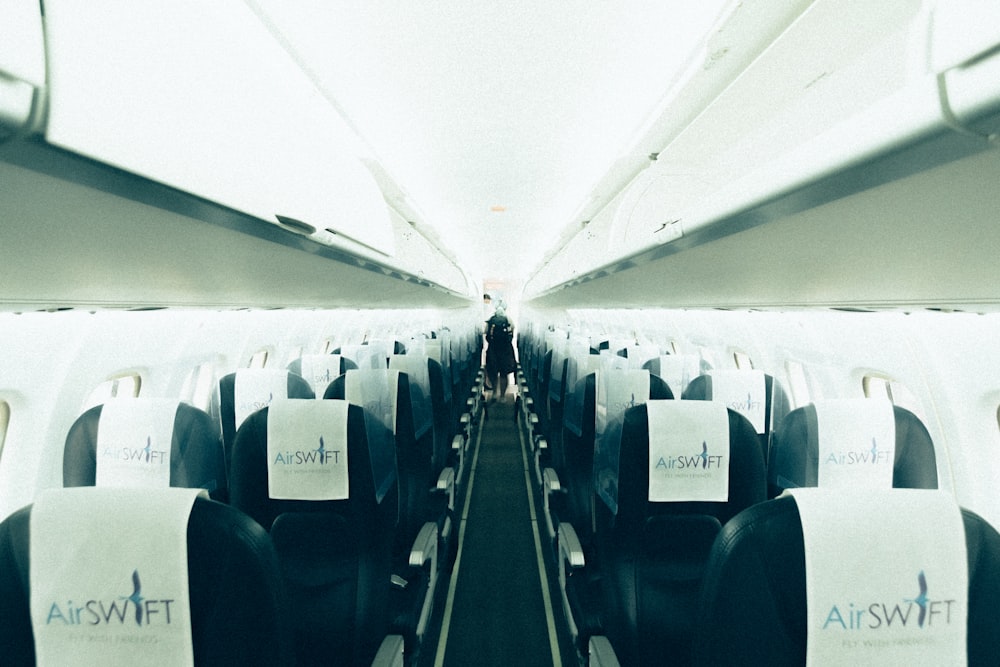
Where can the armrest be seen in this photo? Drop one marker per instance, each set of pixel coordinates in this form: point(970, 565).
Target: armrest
point(602, 654)
point(550, 480)
point(570, 549)
point(390, 652)
point(446, 484)
point(425, 545)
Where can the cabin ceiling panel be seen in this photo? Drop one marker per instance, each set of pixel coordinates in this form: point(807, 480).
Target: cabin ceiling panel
point(69, 245)
point(928, 240)
point(469, 106)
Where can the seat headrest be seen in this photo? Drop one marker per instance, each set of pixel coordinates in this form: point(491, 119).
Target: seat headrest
point(236, 596)
point(623, 474)
point(371, 471)
point(795, 455)
point(176, 439)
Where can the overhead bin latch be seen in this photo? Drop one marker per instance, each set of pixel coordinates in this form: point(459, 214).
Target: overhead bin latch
point(964, 37)
point(668, 231)
point(22, 69)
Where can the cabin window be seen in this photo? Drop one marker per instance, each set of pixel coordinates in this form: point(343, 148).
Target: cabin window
point(258, 359)
point(798, 382)
point(199, 386)
point(877, 386)
point(743, 361)
point(4, 422)
point(126, 385)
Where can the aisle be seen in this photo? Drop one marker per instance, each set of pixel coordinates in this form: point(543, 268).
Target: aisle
point(498, 616)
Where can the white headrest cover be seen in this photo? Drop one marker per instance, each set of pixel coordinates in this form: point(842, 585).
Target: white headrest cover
point(307, 450)
point(320, 370)
point(886, 577)
point(744, 391)
point(856, 441)
point(433, 349)
point(375, 390)
point(134, 437)
point(677, 370)
point(255, 389)
point(109, 577)
point(618, 390)
point(688, 451)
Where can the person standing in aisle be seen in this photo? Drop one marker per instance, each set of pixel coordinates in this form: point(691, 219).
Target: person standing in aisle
point(500, 361)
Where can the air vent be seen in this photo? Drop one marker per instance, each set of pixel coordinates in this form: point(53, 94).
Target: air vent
point(296, 226)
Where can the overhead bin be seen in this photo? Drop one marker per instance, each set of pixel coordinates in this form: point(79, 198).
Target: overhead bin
point(845, 85)
point(202, 97)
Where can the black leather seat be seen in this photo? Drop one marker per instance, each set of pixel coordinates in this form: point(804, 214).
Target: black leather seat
point(422, 511)
point(652, 555)
point(573, 508)
point(295, 385)
point(776, 404)
point(795, 452)
point(196, 455)
point(753, 605)
point(320, 382)
point(335, 555)
point(237, 599)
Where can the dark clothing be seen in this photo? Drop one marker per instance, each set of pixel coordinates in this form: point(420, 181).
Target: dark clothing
point(500, 352)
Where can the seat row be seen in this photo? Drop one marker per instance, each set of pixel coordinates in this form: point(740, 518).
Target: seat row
point(347, 503)
point(657, 509)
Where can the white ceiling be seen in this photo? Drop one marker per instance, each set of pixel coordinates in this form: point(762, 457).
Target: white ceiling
point(468, 106)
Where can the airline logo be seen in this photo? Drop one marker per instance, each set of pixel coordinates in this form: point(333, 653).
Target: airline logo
point(745, 406)
point(704, 460)
point(919, 612)
point(250, 407)
point(137, 455)
point(115, 610)
point(320, 456)
point(621, 406)
point(871, 456)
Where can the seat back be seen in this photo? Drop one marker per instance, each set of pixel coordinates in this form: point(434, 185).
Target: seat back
point(237, 600)
point(319, 370)
point(753, 608)
point(195, 459)
point(413, 455)
point(677, 370)
point(796, 446)
point(578, 446)
point(335, 554)
point(249, 389)
point(653, 539)
point(753, 393)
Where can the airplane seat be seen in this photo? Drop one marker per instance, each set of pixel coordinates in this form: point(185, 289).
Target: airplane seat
point(423, 513)
point(570, 512)
point(660, 506)
point(235, 594)
point(249, 389)
point(752, 392)
point(575, 504)
point(677, 370)
point(332, 528)
point(145, 442)
point(319, 370)
point(555, 402)
point(754, 607)
point(808, 450)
